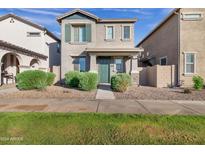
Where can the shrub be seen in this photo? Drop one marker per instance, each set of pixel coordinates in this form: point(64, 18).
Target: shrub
point(88, 81)
point(32, 79)
point(50, 78)
point(198, 82)
point(72, 79)
point(187, 91)
point(120, 82)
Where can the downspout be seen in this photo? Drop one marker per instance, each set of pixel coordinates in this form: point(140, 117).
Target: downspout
point(178, 48)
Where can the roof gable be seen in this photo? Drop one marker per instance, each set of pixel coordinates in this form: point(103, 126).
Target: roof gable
point(77, 14)
point(29, 23)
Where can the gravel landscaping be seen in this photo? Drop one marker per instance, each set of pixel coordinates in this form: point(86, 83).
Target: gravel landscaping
point(151, 93)
point(52, 92)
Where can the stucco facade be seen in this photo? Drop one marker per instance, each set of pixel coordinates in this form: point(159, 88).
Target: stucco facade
point(17, 35)
point(98, 46)
point(174, 37)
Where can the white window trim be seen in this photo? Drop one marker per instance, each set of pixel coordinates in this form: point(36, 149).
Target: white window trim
point(163, 58)
point(191, 19)
point(195, 53)
point(122, 33)
point(106, 26)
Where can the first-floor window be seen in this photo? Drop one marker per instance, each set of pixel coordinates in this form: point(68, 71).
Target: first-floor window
point(190, 62)
point(80, 64)
point(163, 61)
point(119, 65)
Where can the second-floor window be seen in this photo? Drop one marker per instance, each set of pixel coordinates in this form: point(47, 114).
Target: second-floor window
point(126, 32)
point(79, 33)
point(109, 33)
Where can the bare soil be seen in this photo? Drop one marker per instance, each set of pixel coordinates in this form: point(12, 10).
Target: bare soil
point(151, 93)
point(52, 92)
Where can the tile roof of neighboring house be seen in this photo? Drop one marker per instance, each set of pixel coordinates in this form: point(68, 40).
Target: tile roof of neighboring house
point(15, 48)
point(99, 20)
point(29, 23)
point(158, 26)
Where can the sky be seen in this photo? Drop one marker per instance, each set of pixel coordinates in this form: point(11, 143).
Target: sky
point(148, 18)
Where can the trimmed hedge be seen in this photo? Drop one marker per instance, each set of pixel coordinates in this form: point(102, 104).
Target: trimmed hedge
point(34, 79)
point(120, 82)
point(50, 78)
point(83, 80)
point(72, 79)
point(198, 82)
point(88, 81)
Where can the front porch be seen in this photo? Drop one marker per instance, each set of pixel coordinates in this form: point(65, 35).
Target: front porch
point(15, 59)
point(107, 62)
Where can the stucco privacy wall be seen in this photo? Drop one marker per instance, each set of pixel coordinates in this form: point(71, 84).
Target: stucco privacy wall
point(157, 76)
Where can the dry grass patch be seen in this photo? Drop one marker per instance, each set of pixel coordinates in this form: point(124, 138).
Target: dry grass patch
point(52, 92)
point(31, 107)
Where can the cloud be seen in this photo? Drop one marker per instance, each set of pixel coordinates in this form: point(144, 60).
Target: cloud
point(139, 11)
point(44, 21)
point(42, 12)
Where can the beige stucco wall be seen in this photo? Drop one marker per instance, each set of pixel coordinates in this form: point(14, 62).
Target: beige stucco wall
point(192, 40)
point(70, 50)
point(16, 33)
point(157, 76)
point(163, 42)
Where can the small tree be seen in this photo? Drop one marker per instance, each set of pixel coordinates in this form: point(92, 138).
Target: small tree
point(198, 82)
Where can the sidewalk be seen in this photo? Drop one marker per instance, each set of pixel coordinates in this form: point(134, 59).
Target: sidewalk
point(171, 107)
point(104, 92)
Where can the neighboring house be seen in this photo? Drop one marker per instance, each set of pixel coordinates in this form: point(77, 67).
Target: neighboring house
point(25, 45)
point(178, 40)
point(105, 46)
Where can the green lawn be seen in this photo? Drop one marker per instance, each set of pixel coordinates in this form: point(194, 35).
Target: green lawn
point(90, 128)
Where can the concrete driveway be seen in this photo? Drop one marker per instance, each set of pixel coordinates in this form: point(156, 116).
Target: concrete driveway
point(104, 106)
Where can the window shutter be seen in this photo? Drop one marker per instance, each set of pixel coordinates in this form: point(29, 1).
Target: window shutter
point(67, 32)
point(88, 32)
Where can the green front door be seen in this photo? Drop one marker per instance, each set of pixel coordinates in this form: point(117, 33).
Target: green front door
point(104, 70)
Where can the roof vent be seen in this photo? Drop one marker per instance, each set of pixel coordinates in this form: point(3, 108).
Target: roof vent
point(12, 20)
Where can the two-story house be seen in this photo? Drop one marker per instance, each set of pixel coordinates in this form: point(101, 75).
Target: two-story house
point(25, 45)
point(178, 40)
point(105, 46)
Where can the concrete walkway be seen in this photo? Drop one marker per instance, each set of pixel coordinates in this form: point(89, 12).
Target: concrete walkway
point(104, 92)
point(170, 107)
point(8, 90)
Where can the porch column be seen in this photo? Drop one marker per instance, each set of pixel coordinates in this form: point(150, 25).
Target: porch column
point(134, 70)
point(93, 63)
